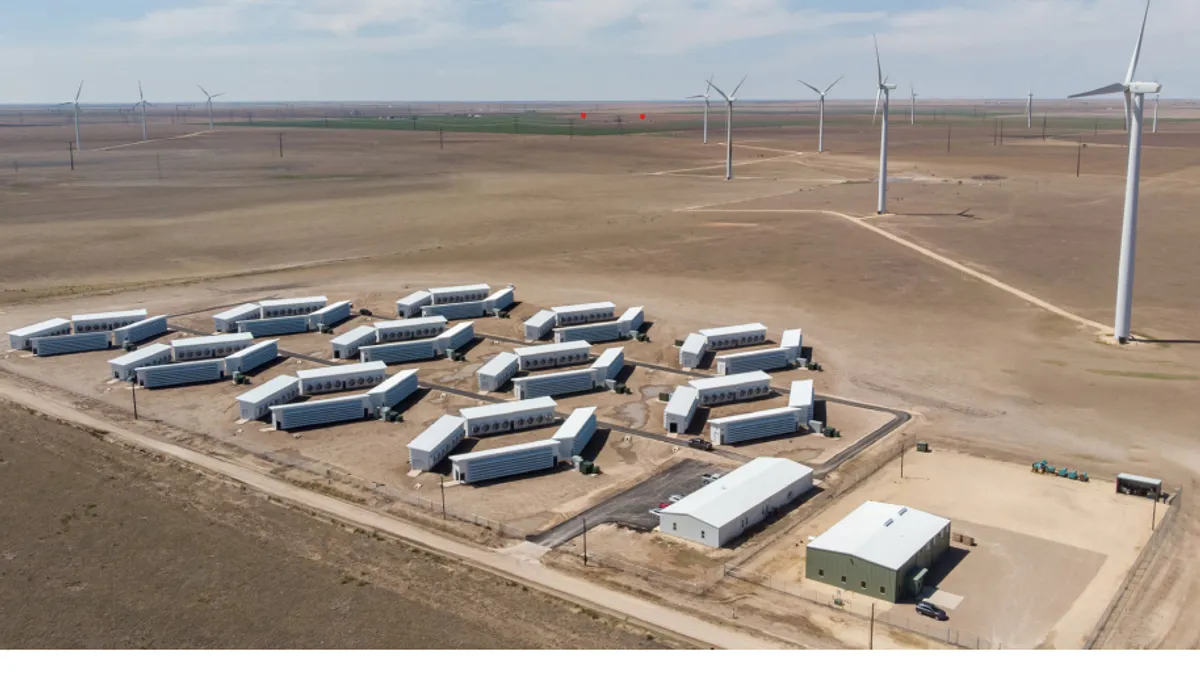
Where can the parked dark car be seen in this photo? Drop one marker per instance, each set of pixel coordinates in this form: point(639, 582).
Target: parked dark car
point(700, 444)
point(931, 610)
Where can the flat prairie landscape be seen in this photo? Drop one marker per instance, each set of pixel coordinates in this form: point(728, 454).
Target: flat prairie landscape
point(939, 308)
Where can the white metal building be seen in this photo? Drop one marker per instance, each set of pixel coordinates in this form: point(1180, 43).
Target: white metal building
point(437, 441)
point(227, 321)
point(539, 325)
point(453, 294)
point(792, 341)
point(609, 365)
point(501, 299)
point(210, 346)
point(693, 350)
point(609, 331)
point(754, 425)
point(19, 338)
point(90, 323)
point(513, 460)
point(576, 432)
point(456, 337)
point(124, 366)
point(276, 325)
point(411, 304)
point(346, 345)
point(400, 352)
point(140, 331)
point(591, 312)
point(721, 511)
point(553, 355)
point(728, 337)
point(499, 418)
point(801, 398)
point(175, 374)
point(632, 320)
point(775, 358)
point(409, 329)
point(257, 402)
point(254, 356)
point(330, 315)
point(54, 345)
point(495, 373)
point(291, 306)
point(457, 310)
point(390, 392)
point(730, 388)
point(322, 411)
point(337, 378)
point(677, 416)
point(555, 384)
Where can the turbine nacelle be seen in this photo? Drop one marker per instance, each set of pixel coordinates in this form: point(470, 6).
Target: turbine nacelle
point(1144, 87)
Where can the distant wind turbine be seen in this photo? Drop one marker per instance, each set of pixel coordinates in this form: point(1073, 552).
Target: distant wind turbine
point(1135, 101)
point(707, 105)
point(821, 123)
point(210, 98)
point(729, 100)
point(1029, 110)
point(912, 105)
point(75, 104)
point(143, 103)
point(884, 91)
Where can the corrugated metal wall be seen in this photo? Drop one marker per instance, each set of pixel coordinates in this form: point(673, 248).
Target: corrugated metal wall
point(140, 331)
point(400, 352)
point(283, 325)
point(459, 310)
point(492, 382)
point(70, 344)
point(603, 332)
point(458, 338)
point(502, 300)
point(395, 394)
point(762, 427)
point(246, 360)
point(734, 364)
point(152, 358)
point(491, 468)
point(329, 315)
point(555, 384)
point(581, 439)
point(172, 374)
point(292, 416)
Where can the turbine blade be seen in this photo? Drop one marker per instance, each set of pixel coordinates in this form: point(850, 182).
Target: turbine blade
point(708, 89)
point(204, 90)
point(220, 94)
point(827, 89)
point(718, 90)
point(697, 96)
point(1114, 88)
point(878, 65)
point(1137, 49)
point(80, 91)
point(735, 89)
point(140, 94)
point(878, 92)
point(818, 91)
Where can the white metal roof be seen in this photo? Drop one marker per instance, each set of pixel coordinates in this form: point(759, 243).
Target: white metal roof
point(284, 302)
point(682, 401)
point(1134, 478)
point(585, 307)
point(237, 312)
point(507, 450)
point(741, 490)
point(708, 383)
point(135, 356)
point(632, 312)
point(167, 366)
point(268, 389)
point(123, 314)
point(498, 364)
point(349, 369)
point(542, 318)
point(792, 338)
point(322, 401)
point(40, 326)
point(455, 330)
point(574, 423)
point(212, 340)
point(496, 409)
point(586, 326)
point(437, 432)
point(801, 395)
point(611, 354)
point(328, 308)
point(733, 330)
point(254, 347)
point(413, 298)
point(502, 291)
point(757, 414)
point(883, 534)
point(556, 375)
point(352, 336)
point(750, 354)
point(146, 320)
point(411, 323)
point(695, 344)
point(556, 348)
point(386, 385)
point(460, 289)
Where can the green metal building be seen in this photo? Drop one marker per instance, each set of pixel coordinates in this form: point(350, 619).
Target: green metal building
point(879, 550)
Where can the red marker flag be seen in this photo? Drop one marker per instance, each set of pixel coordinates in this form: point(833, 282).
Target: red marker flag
point(643, 115)
point(583, 115)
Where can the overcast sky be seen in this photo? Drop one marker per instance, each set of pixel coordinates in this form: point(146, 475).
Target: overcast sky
point(270, 50)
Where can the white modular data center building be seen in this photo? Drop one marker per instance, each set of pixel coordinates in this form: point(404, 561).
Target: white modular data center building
point(438, 440)
point(338, 378)
point(499, 418)
point(553, 355)
point(729, 337)
point(730, 388)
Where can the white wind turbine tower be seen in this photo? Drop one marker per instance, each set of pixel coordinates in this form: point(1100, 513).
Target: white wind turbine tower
point(1135, 100)
point(143, 103)
point(1154, 129)
point(912, 105)
point(821, 122)
point(210, 98)
point(707, 105)
point(728, 125)
point(884, 90)
point(1029, 110)
point(75, 104)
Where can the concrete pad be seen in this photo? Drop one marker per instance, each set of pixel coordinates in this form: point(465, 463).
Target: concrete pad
point(942, 599)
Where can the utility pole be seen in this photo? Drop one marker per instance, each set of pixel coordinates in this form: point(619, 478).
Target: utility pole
point(281, 145)
point(948, 128)
point(871, 635)
point(1001, 132)
point(1043, 128)
point(1078, 156)
point(1154, 512)
point(903, 445)
point(441, 141)
point(327, 121)
point(442, 484)
point(994, 133)
point(620, 125)
point(71, 149)
point(585, 556)
point(133, 391)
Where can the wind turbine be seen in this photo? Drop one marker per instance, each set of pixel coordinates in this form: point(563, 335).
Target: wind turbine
point(912, 105)
point(1029, 110)
point(885, 90)
point(143, 103)
point(707, 105)
point(75, 104)
point(728, 125)
point(1135, 101)
point(1154, 129)
point(210, 98)
point(821, 123)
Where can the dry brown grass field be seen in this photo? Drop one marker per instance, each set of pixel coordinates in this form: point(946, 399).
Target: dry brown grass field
point(196, 219)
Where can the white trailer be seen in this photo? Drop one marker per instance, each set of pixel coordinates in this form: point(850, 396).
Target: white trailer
point(393, 390)
point(54, 345)
point(140, 331)
point(632, 320)
point(337, 378)
point(691, 354)
point(793, 341)
point(257, 402)
point(591, 312)
point(400, 352)
point(680, 409)
point(729, 337)
point(539, 325)
point(227, 321)
point(432, 445)
point(210, 346)
point(411, 304)
point(19, 338)
point(575, 433)
point(91, 323)
point(730, 388)
point(753, 426)
point(269, 309)
point(457, 310)
point(555, 384)
point(553, 355)
point(253, 357)
point(499, 418)
point(409, 329)
point(346, 345)
point(759, 359)
point(453, 294)
point(513, 460)
point(495, 373)
point(501, 299)
point(801, 398)
point(609, 331)
point(456, 338)
point(321, 412)
point(330, 315)
point(175, 374)
point(125, 366)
